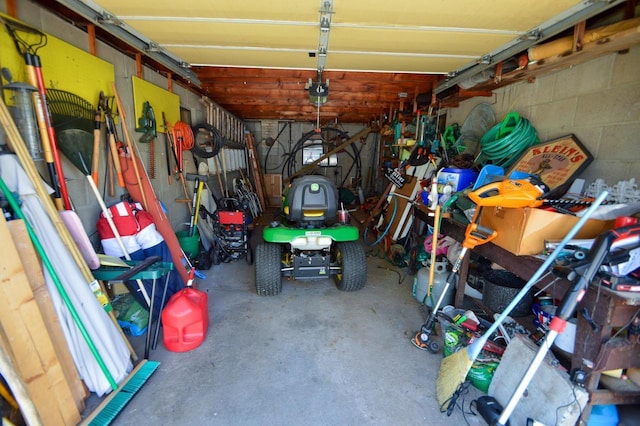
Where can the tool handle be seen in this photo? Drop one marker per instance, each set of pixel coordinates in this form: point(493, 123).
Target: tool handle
point(95, 159)
point(477, 234)
point(116, 160)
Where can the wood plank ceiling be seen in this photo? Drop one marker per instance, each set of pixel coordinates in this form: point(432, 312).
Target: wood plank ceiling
point(255, 57)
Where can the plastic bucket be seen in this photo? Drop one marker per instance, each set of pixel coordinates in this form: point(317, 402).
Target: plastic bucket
point(189, 244)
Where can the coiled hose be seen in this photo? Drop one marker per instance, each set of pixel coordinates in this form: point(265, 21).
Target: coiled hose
point(207, 140)
point(503, 144)
point(386, 231)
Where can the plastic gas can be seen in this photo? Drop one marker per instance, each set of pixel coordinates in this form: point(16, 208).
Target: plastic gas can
point(185, 320)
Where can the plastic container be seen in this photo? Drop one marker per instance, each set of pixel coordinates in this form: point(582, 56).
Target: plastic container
point(456, 179)
point(185, 320)
point(603, 415)
point(421, 283)
point(189, 244)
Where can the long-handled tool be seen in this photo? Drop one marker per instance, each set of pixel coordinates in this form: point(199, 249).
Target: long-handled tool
point(630, 237)
point(455, 367)
point(167, 146)
point(105, 104)
point(474, 236)
point(199, 181)
point(130, 145)
point(95, 159)
point(434, 250)
point(29, 51)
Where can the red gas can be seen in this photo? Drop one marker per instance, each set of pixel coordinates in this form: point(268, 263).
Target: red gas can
point(185, 320)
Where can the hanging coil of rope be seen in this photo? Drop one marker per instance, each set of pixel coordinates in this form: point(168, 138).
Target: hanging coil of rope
point(503, 144)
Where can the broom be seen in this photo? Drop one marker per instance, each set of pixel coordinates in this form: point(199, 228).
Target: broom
point(455, 367)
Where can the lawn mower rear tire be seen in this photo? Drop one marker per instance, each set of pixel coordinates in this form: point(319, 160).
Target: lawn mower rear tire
point(353, 261)
point(268, 273)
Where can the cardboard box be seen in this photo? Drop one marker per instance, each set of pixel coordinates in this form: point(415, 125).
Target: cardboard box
point(273, 188)
point(524, 231)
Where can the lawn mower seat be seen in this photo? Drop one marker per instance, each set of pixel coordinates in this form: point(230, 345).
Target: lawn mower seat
point(312, 200)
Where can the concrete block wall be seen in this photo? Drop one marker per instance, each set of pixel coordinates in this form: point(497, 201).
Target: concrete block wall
point(597, 101)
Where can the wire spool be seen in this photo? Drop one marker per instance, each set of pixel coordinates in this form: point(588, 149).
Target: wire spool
point(503, 144)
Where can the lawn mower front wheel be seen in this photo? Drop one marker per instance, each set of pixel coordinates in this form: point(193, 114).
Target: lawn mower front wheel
point(351, 258)
point(268, 273)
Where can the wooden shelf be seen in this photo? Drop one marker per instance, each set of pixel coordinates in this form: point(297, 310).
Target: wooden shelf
point(618, 42)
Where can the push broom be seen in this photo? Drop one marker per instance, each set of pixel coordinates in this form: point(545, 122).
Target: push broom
point(455, 367)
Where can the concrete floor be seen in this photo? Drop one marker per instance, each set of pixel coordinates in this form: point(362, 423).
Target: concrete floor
point(312, 355)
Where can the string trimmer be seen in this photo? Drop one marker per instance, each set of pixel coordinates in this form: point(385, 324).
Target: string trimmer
point(474, 235)
point(508, 193)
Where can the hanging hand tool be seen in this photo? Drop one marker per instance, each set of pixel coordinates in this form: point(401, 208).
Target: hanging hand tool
point(147, 125)
point(29, 51)
point(597, 257)
point(167, 146)
point(175, 137)
point(131, 147)
point(107, 107)
point(95, 159)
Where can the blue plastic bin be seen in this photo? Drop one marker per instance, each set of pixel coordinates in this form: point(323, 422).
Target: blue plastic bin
point(603, 415)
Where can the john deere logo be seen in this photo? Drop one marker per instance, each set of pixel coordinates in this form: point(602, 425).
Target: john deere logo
point(315, 187)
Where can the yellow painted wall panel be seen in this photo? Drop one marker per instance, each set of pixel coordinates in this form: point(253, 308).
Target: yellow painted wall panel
point(161, 100)
point(64, 67)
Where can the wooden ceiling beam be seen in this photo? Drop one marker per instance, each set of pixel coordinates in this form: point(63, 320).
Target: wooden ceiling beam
point(209, 73)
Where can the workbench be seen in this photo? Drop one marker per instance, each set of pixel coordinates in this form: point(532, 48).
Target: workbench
point(595, 350)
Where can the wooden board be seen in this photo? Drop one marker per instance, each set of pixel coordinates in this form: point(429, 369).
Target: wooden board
point(273, 188)
point(28, 341)
point(33, 271)
point(255, 169)
point(408, 191)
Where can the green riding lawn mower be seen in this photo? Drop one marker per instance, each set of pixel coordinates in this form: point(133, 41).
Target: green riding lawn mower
point(310, 243)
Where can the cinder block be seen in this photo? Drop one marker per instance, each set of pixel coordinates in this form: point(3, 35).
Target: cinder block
point(557, 115)
point(625, 67)
point(550, 398)
point(617, 105)
point(615, 142)
point(590, 77)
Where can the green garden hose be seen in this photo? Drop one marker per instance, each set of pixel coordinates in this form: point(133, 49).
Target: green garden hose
point(507, 140)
